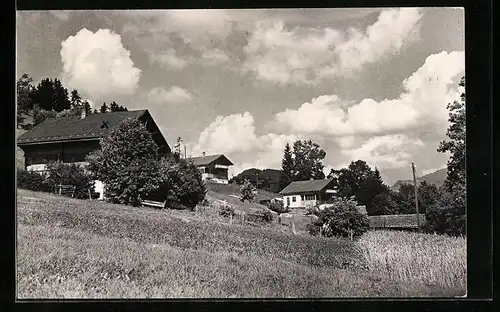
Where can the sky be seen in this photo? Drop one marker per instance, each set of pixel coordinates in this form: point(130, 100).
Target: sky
point(369, 84)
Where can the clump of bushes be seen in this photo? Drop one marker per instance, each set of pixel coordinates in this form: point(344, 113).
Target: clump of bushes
point(341, 218)
point(248, 191)
point(32, 181)
point(70, 174)
point(129, 164)
point(278, 207)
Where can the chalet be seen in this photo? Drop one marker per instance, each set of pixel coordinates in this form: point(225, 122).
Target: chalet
point(302, 194)
point(71, 139)
point(213, 168)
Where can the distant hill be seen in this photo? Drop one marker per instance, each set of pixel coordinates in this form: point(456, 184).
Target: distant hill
point(268, 178)
point(436, 178)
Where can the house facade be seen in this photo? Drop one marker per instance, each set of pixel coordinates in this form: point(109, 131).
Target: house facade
point(302, 194)
point(71, 139)
point(214, 168)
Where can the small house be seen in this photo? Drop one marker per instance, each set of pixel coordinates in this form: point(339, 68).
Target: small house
point(213, 168)
point(71, 139)
point(302, 194)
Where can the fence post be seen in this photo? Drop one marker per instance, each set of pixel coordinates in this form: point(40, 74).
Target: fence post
point(90, 196)
point(60, 188)
point(293, 225)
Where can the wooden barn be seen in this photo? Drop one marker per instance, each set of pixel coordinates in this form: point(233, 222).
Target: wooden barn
point(71, 139)
point(213, 168)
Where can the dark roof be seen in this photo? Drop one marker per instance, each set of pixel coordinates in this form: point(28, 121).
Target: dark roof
point(305, 186)
point(208, 159)
point(74, 128)
point(396, 221)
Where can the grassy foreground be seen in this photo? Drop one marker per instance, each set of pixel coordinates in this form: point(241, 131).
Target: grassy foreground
point(69, 248)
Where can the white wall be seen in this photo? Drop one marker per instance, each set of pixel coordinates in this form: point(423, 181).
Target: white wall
point(299, 203)
point(99, 187)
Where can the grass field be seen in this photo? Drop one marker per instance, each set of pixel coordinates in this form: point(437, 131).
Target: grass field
point(68, 248)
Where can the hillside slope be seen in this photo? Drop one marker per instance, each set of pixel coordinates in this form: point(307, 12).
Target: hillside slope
point(69, 248)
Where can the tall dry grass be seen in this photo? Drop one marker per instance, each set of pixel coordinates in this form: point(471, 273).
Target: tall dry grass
point(429, 259)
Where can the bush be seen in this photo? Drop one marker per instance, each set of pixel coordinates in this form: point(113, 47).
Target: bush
point(127, 163)
point(278, 207)
point(226, 211)
point(447, 216)
point(341, 218)
point(268, 216)
point(32, 181)
point(39, 115)
point(70, 174)
point(182, 184)
point(248, 191)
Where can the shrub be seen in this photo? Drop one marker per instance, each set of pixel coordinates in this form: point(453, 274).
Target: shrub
point(39, 115)
point(447, 216)
point(70, 174)
point(226, 211)
point(341, 218)
point(278, 207)
point(248, 191)
point(127, 163)
point(267, 216)
point(33, 181)
point(182, 185)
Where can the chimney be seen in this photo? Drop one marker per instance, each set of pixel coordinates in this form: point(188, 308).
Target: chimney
point(203, 153)
point(84, 113)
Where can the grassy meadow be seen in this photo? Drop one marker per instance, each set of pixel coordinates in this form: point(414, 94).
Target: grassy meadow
point(68, 248)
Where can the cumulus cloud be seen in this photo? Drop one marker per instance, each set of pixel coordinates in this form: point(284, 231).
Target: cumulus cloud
point(389, 151)
point(175, 94)
point(306, 55)
point(97, 64)
point(168, 59)
point(432, 84)
point(386, 134)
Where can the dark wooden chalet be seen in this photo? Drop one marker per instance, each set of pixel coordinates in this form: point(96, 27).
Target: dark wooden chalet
point(71, 139)
point(213, 167)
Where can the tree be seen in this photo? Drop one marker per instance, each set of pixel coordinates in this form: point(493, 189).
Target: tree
point(448, 215)
point(113, 107)
point(76, 99)
point(127, 163)
point(303, 163)
point(370, 188)
point(455, 144)
point(341, 218)
point(287, 166)
point(383, 204)
point(25, 93)
point(104, 108)
point(248, 191)
point(51, 95)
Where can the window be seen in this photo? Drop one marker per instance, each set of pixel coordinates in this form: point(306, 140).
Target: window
point(310, 197)
point(294, 199)
point(303, 197)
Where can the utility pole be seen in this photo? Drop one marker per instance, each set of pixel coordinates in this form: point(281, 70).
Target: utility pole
point(416, 195)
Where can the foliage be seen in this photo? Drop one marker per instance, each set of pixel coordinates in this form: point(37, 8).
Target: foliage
point(341, 218)
point(182, 185)
point(455, 145)
point(267, 216)
point(359, 180)
point(248, 191)
point(39, 114)
point(278, 207)
point(127, 163)
point(50, 94)
point(448, 215)
point(304, 162)
point(113, 107)
point(31, 180)
point(70, 174)
point(25, 93)
point(226, 211)
point(287, 166)
point(384, 204)
point(104, 108)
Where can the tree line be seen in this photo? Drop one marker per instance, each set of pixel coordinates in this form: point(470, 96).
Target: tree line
point(50, 99)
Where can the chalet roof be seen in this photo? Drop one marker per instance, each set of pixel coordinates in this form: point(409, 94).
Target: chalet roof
point(396, 221)
point(208, 159)
point(75, 128)
point(306, 186)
